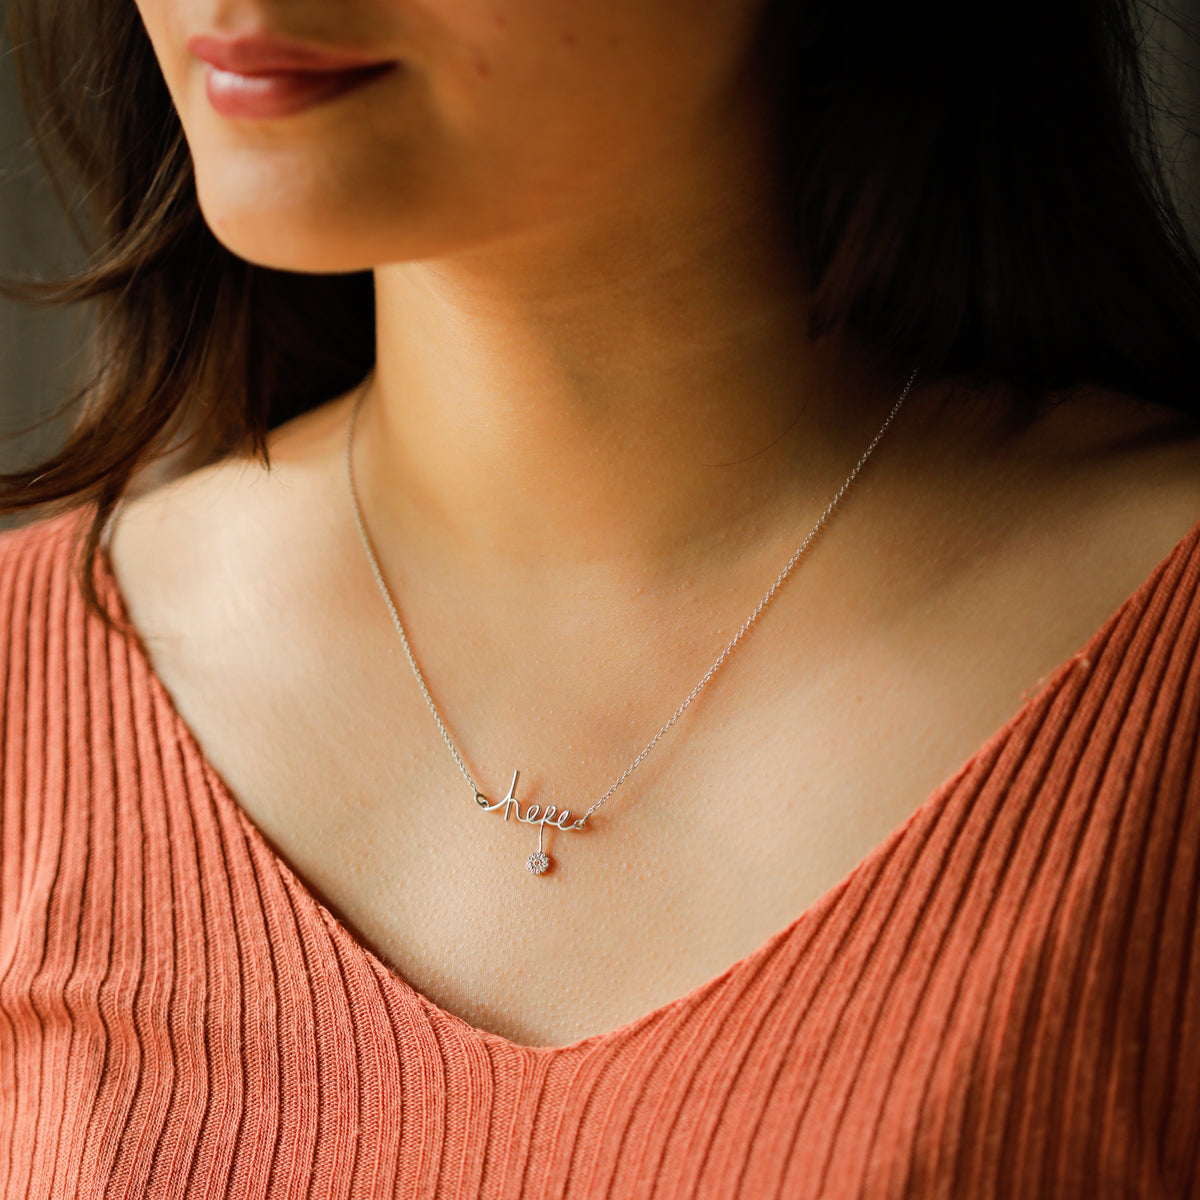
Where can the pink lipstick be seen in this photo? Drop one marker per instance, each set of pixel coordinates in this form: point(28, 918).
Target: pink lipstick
point(260, 78)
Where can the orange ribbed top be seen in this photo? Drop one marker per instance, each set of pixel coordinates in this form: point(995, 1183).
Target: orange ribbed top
point(1001, 1000)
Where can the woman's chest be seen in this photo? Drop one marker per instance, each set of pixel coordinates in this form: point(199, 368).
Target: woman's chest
point(180, 1016)
point(705, 853)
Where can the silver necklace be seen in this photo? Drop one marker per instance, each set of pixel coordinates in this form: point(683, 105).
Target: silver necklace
point(539, 861)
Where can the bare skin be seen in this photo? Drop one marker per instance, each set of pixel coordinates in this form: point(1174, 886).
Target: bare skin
point(595, 433)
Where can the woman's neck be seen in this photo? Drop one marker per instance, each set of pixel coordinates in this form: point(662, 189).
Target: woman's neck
point(649, 397)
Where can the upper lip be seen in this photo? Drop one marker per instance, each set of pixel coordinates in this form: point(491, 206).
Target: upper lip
point(264, 55)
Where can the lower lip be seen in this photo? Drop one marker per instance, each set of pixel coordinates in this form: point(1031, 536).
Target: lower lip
point(283, 93)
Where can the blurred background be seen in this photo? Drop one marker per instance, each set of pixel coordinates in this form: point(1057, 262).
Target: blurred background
point(41, 352)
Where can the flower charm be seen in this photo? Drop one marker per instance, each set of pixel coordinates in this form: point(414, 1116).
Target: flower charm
point(537, 862)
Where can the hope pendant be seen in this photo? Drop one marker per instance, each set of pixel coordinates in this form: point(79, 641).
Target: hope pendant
point(538, 863)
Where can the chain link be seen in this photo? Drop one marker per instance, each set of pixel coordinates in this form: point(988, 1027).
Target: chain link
point(732, 644)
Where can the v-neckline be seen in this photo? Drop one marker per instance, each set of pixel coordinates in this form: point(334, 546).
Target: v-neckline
point(872, 858)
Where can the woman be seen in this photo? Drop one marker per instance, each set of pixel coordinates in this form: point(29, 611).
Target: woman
point(902, 902)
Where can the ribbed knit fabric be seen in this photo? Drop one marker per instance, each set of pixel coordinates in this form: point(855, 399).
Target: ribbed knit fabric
point(1001, 1000)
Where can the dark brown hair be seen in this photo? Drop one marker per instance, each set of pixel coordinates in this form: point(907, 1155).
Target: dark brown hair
point(974, 183)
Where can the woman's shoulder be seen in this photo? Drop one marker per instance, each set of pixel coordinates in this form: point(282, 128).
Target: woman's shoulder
point(37, 563)
point(42, 617)
point(44, 684)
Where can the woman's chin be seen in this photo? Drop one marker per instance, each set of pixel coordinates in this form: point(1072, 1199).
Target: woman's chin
point(309, 247)
point(330, 238)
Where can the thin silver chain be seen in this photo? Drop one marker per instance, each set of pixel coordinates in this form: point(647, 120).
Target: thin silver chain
point(732, 644)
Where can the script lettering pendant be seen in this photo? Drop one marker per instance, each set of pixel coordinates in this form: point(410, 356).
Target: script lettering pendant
point(539, 861)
